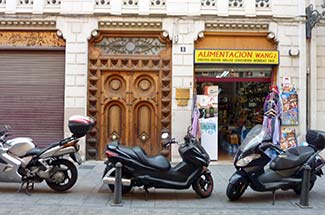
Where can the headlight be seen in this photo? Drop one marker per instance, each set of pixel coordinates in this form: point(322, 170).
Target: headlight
point(246, 160)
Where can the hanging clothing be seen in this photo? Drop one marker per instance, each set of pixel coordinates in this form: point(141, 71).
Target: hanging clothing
point(195, 123)
point(272, 116)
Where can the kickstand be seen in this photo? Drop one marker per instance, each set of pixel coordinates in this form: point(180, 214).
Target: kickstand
point(21, 187)
point(146, 193)
point(273, 197)
point(29, 187)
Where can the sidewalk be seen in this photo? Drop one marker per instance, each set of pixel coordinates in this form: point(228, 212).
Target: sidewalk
point(90, 196)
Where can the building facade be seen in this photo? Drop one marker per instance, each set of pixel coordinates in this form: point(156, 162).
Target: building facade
point(131, 64)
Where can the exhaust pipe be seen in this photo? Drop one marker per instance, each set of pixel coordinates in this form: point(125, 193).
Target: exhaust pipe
point(111, 180)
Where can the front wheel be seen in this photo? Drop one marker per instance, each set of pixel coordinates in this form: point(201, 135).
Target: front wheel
point(203, 186)
point(235, 191)
point(63, 175)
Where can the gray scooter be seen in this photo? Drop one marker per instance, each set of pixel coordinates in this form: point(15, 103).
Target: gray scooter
point(256, 169)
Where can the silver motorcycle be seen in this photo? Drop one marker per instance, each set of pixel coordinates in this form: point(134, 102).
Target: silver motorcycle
point(22, 162)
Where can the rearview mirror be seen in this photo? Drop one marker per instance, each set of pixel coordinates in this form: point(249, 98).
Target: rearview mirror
point(164, 135)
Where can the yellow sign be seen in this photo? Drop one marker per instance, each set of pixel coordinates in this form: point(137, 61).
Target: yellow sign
point(222, 56)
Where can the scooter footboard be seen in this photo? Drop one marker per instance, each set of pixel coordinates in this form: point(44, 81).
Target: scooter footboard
point(150, 181)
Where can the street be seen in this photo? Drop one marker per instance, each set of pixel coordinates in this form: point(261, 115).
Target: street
point(90, 196)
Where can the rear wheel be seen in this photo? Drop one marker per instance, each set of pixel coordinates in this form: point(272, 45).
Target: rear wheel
point(297, 188)
point(235, 191)
point(125, 189)
point(63, 175)
point(203, 186)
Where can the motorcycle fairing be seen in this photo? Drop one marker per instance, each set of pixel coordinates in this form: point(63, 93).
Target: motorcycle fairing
point(9, 169)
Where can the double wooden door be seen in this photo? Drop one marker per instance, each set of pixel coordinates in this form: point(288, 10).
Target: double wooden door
point(130, 109)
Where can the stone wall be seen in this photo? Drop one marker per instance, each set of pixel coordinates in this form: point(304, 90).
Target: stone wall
point(320, 64)
point(291, 36)
point(183, 33)
point(76, 32)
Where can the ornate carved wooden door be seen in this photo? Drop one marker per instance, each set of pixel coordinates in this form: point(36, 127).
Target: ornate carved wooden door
point(132, 100)
point(129, 91)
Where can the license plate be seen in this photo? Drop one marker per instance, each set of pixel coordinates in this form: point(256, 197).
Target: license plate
point(78, 158)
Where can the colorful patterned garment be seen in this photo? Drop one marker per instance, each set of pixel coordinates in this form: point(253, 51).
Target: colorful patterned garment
point(272, 114)
point(195, 123)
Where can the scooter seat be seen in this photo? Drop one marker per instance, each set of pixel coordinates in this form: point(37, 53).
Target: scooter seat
point(38, 151)
point(34, 151)
point(128, 150)
point(292, 158)
point(159, 161)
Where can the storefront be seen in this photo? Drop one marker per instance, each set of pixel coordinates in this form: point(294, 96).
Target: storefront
point(237, 71)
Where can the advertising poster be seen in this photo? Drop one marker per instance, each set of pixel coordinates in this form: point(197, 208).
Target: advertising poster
point(209, 136)
point(290, 107)
point(288, 138)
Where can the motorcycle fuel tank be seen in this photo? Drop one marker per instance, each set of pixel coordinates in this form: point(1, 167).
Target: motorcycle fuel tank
point(20, 146)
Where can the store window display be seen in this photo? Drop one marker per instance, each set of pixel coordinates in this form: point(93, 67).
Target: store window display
point(240, 107)
point(243, 89)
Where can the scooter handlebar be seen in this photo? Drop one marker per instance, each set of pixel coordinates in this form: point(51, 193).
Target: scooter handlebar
point(267, 145)
point(172, 141)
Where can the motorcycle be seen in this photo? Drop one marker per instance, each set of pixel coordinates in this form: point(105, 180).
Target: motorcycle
point(22, 162)
point(138, 169)
point(266, 167)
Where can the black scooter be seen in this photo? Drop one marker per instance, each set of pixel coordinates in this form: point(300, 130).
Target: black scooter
point(141, 170)
point(284, 171)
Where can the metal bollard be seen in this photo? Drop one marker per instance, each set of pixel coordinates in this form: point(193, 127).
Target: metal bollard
point(304, 196)
point(117, 200)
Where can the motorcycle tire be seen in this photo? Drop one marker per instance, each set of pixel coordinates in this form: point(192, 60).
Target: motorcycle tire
point(297, 189)
point(62, 168)
point(125, 189)
point(203, 186)
point(235, 191)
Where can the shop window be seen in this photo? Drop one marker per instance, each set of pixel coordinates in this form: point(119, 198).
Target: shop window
point(242, 92)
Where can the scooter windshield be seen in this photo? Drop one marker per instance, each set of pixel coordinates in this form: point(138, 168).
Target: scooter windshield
point(253, 138)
